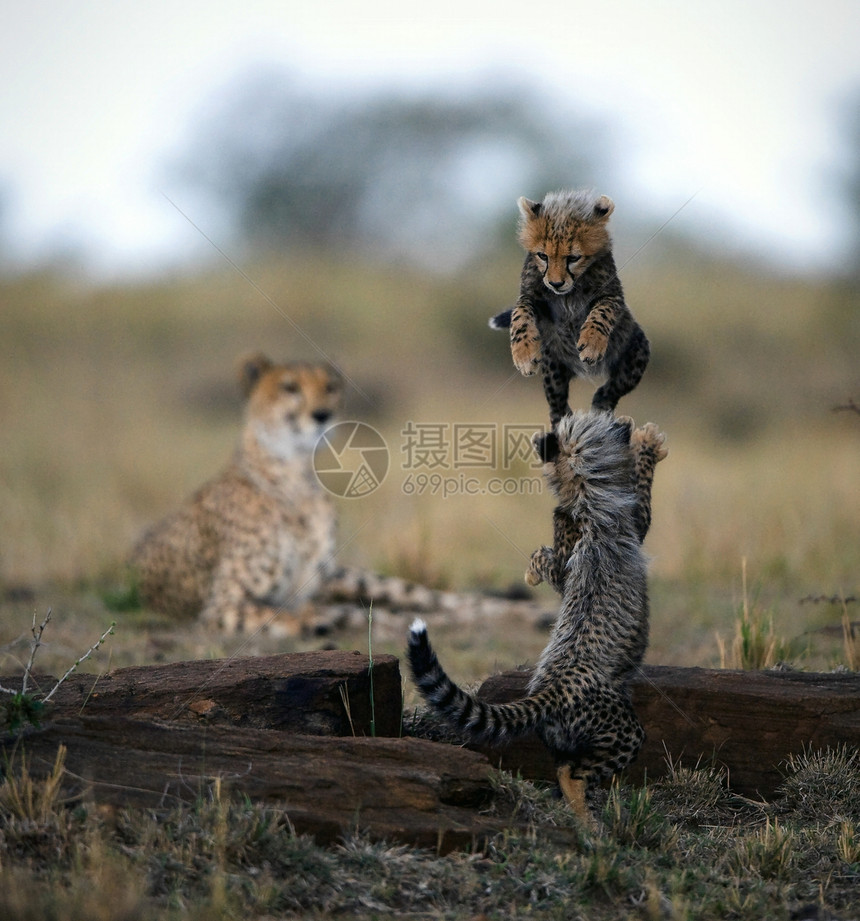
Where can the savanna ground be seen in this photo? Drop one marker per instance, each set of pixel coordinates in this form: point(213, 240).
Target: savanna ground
point(117, 401)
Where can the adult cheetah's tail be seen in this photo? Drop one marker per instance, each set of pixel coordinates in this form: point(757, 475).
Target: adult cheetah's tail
point(480, 721)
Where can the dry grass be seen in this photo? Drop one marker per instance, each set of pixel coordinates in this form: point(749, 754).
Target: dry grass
point(754, 645)
point(680, 849)
point(849, 640)
point(26, 800)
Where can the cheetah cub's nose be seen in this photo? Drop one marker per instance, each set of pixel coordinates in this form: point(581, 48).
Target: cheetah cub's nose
point(321, 415)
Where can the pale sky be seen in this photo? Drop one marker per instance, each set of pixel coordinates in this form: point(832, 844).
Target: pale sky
point(736, 102)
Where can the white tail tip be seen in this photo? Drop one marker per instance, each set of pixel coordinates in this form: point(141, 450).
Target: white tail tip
point(418, 627)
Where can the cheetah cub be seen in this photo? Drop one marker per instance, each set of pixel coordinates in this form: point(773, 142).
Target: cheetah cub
point(252, 545)
point(550, 563)
point(578, 699)
point(570, 319)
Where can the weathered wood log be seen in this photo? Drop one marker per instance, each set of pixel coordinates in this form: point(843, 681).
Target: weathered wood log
point(315, 693)
point(748, 722)
point(408, 790)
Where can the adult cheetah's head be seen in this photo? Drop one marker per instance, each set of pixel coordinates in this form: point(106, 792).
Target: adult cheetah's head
point(289, 405)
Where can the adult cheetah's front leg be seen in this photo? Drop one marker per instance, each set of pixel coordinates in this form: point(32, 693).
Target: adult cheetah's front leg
point(232, 607)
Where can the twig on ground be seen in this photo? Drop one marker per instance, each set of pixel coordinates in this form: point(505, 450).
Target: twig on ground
point(37, 642)
point(83, 658)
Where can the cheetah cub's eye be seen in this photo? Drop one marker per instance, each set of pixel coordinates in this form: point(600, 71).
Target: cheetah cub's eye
point(573, 258)
point(332, 387)
point(541, 257)
point(290, 386)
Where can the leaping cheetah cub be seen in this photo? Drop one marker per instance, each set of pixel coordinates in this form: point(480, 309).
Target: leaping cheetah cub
point(578, 699)
point(251, 546)
point(571, 319)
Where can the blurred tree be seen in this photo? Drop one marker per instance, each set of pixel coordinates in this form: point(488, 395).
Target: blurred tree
point(423, 177)
point(848, 182)
point(4, 218)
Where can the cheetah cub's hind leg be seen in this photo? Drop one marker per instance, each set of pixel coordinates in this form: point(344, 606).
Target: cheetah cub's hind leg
point(573, 789)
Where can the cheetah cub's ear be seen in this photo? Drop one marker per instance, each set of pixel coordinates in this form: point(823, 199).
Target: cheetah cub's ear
point(603, 207)
point(251, 369)
point(624, 426)
point(546, 447)
point(529, 209)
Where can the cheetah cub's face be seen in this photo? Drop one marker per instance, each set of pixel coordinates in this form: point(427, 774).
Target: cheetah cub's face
point(587, 450)
point(564, 233)
point(289, 405)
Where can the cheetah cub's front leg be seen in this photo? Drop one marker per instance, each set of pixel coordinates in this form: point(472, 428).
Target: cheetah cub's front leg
point(594, 335)
point(541, 565)
point(549, 564)
point(592, 345)
point(648, 444)
point(525, 340)
point(649, 448)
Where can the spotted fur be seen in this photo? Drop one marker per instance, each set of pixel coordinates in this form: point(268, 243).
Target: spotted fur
point(571, 319)
point(578, 700)
point(550, 563)
point(249, 547)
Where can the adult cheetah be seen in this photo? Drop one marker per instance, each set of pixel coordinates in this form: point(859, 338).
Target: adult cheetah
point(252, 545)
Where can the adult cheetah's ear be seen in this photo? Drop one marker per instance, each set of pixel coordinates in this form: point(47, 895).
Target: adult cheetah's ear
point(251, 369)
point(603, 207)
point(529, 209)
point(546, 446)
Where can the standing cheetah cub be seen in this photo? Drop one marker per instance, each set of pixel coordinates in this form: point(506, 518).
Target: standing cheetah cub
point(570, 319)
point(256, 542)
point(578, 699)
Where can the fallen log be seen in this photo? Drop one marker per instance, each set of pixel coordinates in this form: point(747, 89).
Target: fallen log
point(748, 722)
point(412, 791)
point(314, 693)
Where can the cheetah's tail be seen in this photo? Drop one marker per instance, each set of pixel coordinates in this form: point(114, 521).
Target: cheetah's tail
point(480, 721)
point(501, 320)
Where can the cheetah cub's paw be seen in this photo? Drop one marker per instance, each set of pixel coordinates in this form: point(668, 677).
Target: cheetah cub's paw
point(525, 348)
point(539, 565)
point(592, 345)
point(526, 357)
point(649, 438)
